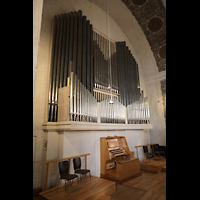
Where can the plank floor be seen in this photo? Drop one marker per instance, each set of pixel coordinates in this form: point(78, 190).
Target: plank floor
point(96, 189)
point(149, 186)
point(153, 165)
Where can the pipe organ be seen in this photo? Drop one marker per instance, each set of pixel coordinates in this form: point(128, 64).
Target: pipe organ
point(101, 75)
point(117, 162)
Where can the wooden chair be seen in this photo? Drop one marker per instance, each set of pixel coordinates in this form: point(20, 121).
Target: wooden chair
point(77, 168)
point(147, 154)
point(157, 151)
point(64, 173)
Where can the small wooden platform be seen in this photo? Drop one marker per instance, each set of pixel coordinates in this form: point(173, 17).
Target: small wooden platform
point(164, 168)
point(98, 188)
point(155, 165)
point(112, 176)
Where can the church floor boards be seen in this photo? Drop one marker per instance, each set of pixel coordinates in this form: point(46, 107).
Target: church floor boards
point(148, 186)
point(153, 165)
point(98, 188)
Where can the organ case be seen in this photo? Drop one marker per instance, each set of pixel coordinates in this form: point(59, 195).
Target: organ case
point(117, 161)
point(103, 71)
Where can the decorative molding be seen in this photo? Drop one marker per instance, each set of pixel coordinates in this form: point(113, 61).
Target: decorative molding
point(90, 126)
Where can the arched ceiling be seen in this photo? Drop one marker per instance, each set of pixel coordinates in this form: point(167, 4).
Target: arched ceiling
point(151, 16)
point(143, 26)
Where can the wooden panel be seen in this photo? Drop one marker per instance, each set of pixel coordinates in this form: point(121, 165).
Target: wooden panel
point(125, 145)
point(154, 165)
point(104, 153)
point(127, 169)
point(144, 145)
point(61, 159)
point(127, 166)
point(63, 104)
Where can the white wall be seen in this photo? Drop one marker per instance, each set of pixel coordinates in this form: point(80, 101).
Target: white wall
point(153, 91)
point(37, 133)
point(37, 18)
point(71, 143)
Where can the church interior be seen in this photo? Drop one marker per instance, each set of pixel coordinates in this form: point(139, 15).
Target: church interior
point(99, 99)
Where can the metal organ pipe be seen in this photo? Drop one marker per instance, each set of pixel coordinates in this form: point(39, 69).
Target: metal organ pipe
point(100, 70)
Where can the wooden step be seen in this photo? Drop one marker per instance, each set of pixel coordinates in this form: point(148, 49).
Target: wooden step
point(100, 196)
point(164, 168)
point(153, 165)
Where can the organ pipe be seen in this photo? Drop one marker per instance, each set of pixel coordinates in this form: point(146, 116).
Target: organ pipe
point(98, 73)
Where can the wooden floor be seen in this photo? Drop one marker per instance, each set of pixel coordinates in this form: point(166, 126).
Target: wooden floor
point(98, 188)
point(153, 165)
point(149, 186)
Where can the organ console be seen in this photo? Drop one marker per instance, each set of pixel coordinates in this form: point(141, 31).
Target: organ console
point(117, 161)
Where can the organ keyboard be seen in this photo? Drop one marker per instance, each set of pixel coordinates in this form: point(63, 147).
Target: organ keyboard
point(117, 162)
point(117, 152)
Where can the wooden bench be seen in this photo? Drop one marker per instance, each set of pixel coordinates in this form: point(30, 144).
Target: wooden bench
point(61, 159)
point(141, 146)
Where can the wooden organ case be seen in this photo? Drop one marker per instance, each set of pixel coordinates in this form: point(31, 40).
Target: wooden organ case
point(117, 162)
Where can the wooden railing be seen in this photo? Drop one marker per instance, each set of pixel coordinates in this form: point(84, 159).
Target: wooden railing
point(61, 159)
point(141, 146)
